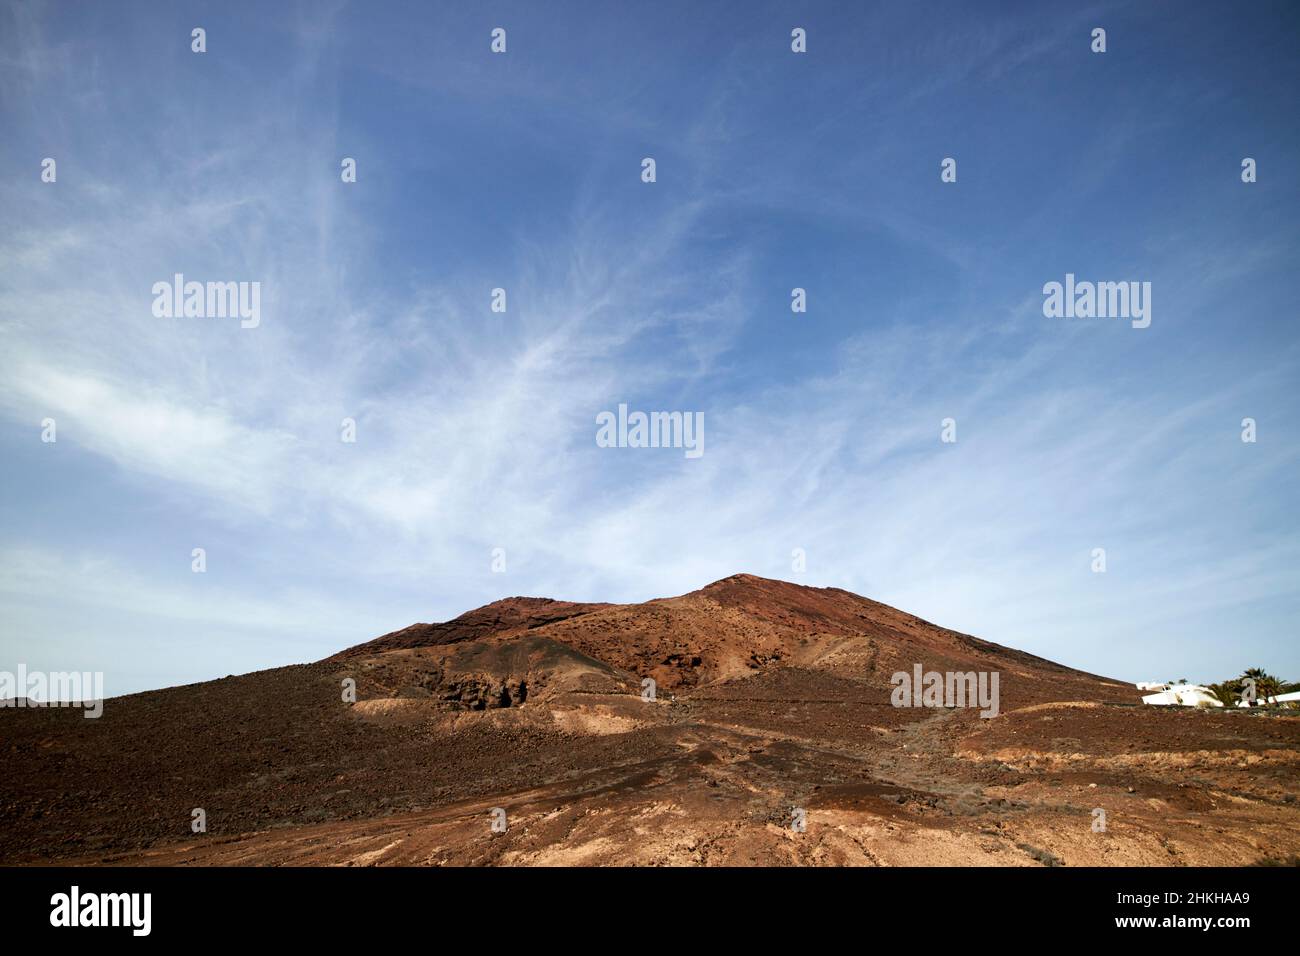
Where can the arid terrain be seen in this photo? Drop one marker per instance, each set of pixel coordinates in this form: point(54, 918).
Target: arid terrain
point(773, 702)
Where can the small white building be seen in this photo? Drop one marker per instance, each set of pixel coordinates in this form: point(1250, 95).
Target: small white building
point(1279, 699)
point(1179, 695)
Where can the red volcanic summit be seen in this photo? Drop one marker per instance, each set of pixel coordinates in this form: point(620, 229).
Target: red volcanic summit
point(736, 628)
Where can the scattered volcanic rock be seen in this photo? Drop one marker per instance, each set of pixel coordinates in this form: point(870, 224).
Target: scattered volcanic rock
point(506, 616)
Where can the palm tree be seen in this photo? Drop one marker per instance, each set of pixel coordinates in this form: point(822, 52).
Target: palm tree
point(1266, 685)
point(1270, 686)
point(1228, 693)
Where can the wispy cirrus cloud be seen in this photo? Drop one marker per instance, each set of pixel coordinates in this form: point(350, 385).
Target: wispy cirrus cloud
point(475, 429)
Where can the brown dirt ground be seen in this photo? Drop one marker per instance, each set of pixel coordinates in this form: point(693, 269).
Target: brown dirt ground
point(772, 697)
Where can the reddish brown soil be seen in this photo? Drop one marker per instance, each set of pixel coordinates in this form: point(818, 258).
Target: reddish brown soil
point(771, 698)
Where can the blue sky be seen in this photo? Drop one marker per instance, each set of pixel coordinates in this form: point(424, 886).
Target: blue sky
point(476, 430)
